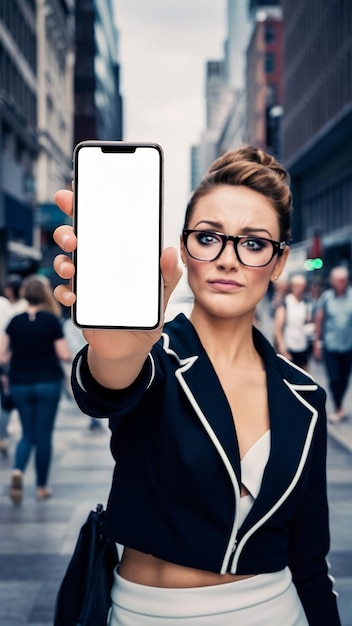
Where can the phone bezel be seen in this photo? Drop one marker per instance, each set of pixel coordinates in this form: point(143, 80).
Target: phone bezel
point(119, 146)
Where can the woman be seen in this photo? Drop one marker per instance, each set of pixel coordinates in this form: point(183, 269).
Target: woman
point(34, 345)
point(219, 492)
point(293, 325)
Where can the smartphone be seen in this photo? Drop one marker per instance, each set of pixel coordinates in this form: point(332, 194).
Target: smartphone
point(118, 210)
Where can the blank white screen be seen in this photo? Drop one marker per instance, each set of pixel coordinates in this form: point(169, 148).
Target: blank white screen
point(118, 230)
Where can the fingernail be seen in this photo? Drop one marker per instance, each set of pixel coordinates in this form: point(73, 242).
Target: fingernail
point(67, 295)
point(64, 240)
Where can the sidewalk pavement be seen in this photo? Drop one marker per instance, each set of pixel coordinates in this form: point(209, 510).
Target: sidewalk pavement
point(37, 538)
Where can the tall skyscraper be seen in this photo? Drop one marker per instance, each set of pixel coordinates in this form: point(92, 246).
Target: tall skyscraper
point(238, 32)
point(98, 103)
point(225, 120)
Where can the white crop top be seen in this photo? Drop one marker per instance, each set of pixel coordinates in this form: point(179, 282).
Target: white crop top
point(252, 469)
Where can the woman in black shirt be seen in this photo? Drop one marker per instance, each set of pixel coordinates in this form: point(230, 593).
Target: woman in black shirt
point(34, 345)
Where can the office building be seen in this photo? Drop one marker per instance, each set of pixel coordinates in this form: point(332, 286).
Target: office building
point(317, 126)
point(98, 103)
point(18, 136)
point(264, 82)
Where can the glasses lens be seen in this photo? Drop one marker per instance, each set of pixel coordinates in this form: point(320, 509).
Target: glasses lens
point(204, 245)
point(255, 251)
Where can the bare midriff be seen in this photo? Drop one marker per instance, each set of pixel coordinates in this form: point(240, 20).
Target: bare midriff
point(145, 569)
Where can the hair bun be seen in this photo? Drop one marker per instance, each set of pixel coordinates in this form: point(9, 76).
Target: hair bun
point(250, 155)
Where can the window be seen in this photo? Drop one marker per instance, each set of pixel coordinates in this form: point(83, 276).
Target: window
point(269, 33)
point(269, 62)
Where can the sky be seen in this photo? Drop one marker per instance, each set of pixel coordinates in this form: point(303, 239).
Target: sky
point(163, 49)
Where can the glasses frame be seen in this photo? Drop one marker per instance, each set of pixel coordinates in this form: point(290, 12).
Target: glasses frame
point(278, 246)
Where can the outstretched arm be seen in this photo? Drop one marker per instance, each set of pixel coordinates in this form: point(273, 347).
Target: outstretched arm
point(115, 357)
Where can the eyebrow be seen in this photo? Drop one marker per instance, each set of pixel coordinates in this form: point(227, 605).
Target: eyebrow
point(244, 231)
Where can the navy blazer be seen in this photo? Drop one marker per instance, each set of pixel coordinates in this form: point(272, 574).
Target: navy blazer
point(176, 484)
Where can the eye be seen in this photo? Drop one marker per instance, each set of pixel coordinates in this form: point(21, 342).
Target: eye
point(207, 238)
point(255, 244)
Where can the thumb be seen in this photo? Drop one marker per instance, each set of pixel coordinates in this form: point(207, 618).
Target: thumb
point(171, 272)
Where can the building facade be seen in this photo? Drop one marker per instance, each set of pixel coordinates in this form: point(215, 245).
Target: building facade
point(98, 102)
point(317, 125)
point(55, 62)
point(234, 131)
point(224, 101)
point(264, 83)
point(18, 136)
point(239, 27)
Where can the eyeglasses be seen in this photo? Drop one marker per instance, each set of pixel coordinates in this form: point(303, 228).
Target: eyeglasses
point(206, 245)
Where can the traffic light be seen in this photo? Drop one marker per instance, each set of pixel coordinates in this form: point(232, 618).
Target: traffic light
point(315, 261)
point(313, 264)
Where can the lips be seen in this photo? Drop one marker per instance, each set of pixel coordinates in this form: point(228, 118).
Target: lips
point(224, 283)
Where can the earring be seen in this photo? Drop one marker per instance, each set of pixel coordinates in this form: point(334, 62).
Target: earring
point(276, 277)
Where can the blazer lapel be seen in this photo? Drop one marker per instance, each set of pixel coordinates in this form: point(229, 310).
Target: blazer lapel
point(201, 386)
point(203, 389)
point(292, 423)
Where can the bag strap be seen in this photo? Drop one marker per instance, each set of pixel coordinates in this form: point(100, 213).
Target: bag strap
point(93, 526)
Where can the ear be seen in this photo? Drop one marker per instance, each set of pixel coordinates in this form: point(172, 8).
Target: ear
point(280, 265)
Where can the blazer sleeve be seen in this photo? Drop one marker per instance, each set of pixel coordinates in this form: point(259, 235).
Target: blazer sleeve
point(98, 401)
point(310, 537)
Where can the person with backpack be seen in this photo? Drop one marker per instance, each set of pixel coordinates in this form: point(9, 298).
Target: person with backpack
point(293, 323)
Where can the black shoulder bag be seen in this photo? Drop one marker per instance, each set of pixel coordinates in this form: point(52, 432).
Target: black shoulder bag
point(84, 594)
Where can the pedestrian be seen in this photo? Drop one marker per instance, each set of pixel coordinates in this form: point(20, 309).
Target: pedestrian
point(315, 290)
point(18, 304)
point(5, 313)
point(51, 304)
point(13, 290)
point(220, 444)
point(277, 292)
point(5, 309)
point(333, 337)
point(33, 345)
point(293, 323)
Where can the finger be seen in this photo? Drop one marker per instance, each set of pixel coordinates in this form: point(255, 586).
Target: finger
point(65, 295)
point(64, 200)
point(171, 271)
point(65, 238)
point(63, 266)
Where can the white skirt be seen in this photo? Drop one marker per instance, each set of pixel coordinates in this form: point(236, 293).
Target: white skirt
point(262, 600)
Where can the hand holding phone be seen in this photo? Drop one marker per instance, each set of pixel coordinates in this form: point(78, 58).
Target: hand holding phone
point(110, 345)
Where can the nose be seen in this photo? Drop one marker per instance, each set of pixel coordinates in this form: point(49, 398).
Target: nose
point(228, 258)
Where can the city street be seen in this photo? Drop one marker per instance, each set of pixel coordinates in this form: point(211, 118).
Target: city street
point(249, 104)
point(37, 538)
